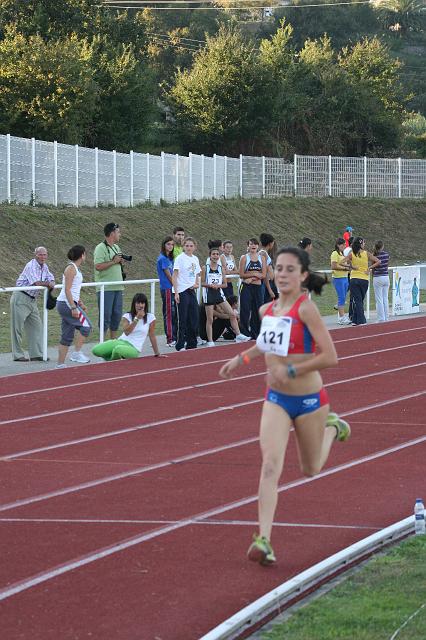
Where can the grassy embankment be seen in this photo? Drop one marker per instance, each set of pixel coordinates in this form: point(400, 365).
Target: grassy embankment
point(400, 223)
point(387, 599)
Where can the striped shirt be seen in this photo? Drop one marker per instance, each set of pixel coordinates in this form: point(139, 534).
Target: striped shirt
point(34, 272)
point(382, 269)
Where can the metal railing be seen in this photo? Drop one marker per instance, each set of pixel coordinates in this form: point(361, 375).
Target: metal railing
point(153, 282)
point(34, 171)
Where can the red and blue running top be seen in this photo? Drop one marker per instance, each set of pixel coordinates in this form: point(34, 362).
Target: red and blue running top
point(301, 340)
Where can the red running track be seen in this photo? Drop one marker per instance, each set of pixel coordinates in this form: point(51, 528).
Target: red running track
point(128, 490)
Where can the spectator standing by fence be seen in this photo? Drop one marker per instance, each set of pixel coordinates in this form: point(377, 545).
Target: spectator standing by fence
point(360, 276)
point(231, 267)
point(165, 273)
point(24, 313)
point(72, 310)
point(340, 269)
point(108, 263)
point(268, 248)
point(178, 238)
point(253, 270)
point(381, 282)
point(186, 280)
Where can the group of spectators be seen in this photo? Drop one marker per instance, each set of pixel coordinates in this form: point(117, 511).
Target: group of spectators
point(351, 264)
point(222, 313)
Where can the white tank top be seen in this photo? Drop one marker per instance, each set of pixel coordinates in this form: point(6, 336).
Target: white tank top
point(75, 287)
point(230, 263)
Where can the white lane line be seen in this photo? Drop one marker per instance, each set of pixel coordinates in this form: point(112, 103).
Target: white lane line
point(127, 474)
point(106, 403)
point(249, 523)
point(112, 379)
point(186, 458)
point(89, 558)
point(118, 432)
point(186, 366)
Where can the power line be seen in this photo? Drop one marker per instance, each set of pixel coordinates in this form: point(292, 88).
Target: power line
point(168, 35)
point(175, 44)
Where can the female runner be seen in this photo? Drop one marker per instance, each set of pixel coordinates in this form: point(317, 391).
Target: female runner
point(297, 346)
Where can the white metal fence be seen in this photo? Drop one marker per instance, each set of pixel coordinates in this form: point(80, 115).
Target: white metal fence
point(33, 171)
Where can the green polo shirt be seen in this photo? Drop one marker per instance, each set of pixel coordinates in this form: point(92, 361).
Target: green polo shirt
point(104, 253)
point(177, 250)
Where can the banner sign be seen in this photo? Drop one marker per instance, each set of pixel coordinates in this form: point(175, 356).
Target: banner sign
point(406, 291)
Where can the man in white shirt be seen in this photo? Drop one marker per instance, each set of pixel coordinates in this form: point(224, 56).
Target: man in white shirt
point(186, 280)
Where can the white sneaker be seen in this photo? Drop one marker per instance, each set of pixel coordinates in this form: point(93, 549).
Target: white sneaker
point(344, 320)
point(78, 356)
point(61, 366)
point(171, 344)
point(183, 349)
point(210, 344)
point(200, 342)
point(242, 338)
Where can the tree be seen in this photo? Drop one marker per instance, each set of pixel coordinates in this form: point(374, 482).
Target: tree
point(127, 98)
point(47, 89)
point(219, 105)
point(401, 16)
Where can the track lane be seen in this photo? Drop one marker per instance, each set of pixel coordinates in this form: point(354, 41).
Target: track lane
point(169, 560)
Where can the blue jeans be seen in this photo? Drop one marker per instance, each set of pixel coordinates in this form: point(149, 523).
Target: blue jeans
point(113, 309)
point(358, 289)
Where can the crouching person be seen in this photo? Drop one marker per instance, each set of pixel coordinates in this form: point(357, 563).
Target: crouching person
point(137, 325)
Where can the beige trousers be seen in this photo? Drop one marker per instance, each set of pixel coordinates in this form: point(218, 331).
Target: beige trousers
point(24, 316)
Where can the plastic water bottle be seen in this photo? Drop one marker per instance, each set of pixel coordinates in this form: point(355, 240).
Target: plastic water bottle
point(419, 517)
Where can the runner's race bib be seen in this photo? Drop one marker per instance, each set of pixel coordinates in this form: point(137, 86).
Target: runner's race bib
point(214, 278)
point(274, 336)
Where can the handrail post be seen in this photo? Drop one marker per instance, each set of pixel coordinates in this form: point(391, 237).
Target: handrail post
point(45, 324)
point(152, 301)
point(101, 312)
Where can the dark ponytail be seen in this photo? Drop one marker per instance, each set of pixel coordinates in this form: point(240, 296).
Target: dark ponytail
point(314, 281)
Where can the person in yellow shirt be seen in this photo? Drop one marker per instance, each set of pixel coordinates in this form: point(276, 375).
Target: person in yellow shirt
point(340, 267)
point(362, 262)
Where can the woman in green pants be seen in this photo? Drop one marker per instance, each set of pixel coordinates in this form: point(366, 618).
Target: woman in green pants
point(137, 325)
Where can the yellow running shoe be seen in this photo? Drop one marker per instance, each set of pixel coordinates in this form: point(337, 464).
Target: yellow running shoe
point(261, 551)
point(343, 430)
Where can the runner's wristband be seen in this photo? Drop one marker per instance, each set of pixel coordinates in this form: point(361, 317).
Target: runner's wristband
point(243, 359)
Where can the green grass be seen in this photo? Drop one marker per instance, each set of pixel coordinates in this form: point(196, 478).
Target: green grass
point(400, 223)
point(370, 605)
